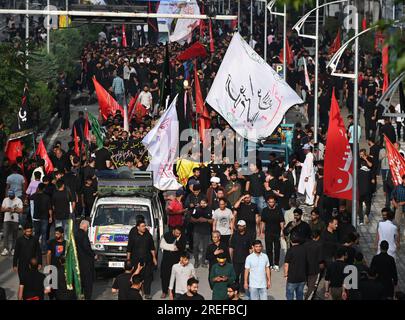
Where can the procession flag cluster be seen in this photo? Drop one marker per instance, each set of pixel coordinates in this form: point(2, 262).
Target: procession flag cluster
point(41, 151)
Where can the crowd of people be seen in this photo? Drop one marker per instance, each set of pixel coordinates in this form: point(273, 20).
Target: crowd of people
point(241, 224)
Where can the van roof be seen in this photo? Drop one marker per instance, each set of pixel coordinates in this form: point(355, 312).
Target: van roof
point(124, 200)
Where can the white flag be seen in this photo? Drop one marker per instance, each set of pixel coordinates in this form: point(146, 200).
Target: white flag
point(248, 93)
point(184, 27)
point(162, 142)
point(307, 81)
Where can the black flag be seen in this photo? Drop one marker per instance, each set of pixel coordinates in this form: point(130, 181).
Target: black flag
point(165, 87)
point(401, 97)
point(23, 119)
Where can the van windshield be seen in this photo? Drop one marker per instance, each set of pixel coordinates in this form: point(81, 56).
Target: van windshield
point(125, 214)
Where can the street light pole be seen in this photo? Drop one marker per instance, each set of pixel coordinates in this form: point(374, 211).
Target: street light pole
point(316, 121)
point(355, 120)
point(48, 29)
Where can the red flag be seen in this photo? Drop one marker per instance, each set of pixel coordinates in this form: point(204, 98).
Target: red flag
point(364, 23)
point(234, 24)
point(338, 172)
point(396, 162)
point(107, 104)
point(136, 110)
point(204, 121)
point(385, 62)
point(86, 128)
point(13, 150)
point(41, 151)
point(124, 37)
point(289, 55)
point(195, 51)
point(335, 46)
point(212, 48)
point(76, 139)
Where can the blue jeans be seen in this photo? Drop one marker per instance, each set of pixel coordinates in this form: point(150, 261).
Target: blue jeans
point(297, 288)
point(258, 293)
point(260, 202)
point(40, 228)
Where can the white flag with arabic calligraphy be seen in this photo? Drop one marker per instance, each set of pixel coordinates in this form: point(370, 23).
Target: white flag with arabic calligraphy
point(162, 143)
point(248, 93)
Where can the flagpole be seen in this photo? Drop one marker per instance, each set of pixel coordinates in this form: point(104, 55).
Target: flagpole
point(316, 125)
point(251, 21)
point(126, 124)
point(285, 45)
point(355, 120)
point(265, 31)
point(239, 15)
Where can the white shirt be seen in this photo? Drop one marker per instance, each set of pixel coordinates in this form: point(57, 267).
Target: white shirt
point(15, 203)
point(180, 275)
point(388, 231)
point(127, 73)
point(257, 264)
point(145, 98)
point(223, 221)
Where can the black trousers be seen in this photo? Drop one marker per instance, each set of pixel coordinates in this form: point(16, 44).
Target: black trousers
point(65, 114)
point(273, 243)
point(367, 200)
point(239, 268)
point(147, 274)
point(87, 279)
point(165, 273)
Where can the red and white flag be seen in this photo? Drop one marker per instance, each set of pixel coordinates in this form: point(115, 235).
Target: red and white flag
point(41, 151)
point(338, 162)
point(396, 162)
point(307, 80)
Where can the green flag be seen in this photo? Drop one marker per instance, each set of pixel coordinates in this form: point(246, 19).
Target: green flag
point(96, 130)
point(72, 270)
point(165, 86)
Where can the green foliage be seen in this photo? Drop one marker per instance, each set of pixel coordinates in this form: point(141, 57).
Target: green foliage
point(66, 46)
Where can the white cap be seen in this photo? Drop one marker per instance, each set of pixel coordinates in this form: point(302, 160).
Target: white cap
point(215, 179)
point(242, 223)
point(141, 60)
point(306, 147)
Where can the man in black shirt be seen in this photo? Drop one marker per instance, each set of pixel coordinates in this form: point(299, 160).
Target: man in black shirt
point(63, 205)
point(202, 220)
point(56, 247)
point(103, 157)
point(26, 248)
point(298, 227)
point(314, 262)
point(272, 225)
point(122, 283)
point(192, 291)
point(295, 268)
point(386, 270)
point(240, 247)
point(329, 238)
point(285, 191)
point(42, 214)
point(86, 259)
point(247, 211)
point(141, 249)
point(255, 186)
point(335, 276)
point(88, 196)
point(216, 249)
point(32, 283)
point(133, 292)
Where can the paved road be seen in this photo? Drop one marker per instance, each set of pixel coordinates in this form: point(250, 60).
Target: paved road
point(102, 287)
